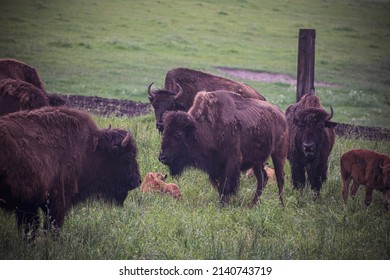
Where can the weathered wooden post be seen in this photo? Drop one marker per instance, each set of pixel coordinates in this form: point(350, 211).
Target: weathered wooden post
point(306, 60)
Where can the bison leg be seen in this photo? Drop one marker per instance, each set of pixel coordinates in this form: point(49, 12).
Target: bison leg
point(28, 220)
point(55, 209)
point(316, 176)
point(368, 197)
point(262, 178)
point(279, 174)
point(345, 191)
point(229, 185)
point(355, 187)
point(298, 175)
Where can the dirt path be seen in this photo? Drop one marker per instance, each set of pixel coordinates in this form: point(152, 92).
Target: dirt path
point(106, 107)
point(267, 77)
point(121, 108)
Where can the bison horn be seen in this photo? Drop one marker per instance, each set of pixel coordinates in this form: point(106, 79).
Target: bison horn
point(180, 90)
point(331, 114)
point(126, 140)
point(150, 93)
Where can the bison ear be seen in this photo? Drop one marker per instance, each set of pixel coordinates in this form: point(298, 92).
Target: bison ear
point(330, 124)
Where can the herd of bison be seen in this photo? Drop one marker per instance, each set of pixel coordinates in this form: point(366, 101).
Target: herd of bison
point(54, 156)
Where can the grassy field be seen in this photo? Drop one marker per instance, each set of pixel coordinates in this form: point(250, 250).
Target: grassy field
point(151, 226)
point(116, 49)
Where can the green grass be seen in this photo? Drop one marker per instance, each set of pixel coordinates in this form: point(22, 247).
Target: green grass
point(152, 226)
point(117, 49)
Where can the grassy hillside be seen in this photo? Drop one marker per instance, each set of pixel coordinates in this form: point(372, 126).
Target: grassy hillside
point(117, 48)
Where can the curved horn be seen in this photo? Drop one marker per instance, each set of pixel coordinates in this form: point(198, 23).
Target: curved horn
point(180, 90)
point(150, 93)
point(126, 140)
point(330, 115)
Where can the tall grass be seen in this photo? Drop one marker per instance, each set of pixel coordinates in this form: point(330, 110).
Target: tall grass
point(152, 226)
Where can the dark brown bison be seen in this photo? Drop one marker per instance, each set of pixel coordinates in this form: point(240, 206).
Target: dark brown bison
point(368, 168)
point(223, 134)
point(17, 95)
point(17, 70)
point(54, 157)
point(312, 137)
point(181, 86)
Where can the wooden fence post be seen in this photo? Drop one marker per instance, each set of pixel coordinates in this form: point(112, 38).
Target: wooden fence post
point(306, 60)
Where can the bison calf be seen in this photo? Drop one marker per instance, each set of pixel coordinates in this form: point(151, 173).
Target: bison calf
point(155, 181)
point(223, 134)
point(368, 168)
point(54, 157)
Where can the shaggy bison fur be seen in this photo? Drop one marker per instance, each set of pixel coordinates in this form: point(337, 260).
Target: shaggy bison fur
point(223, 134)
point(16, 95)
point(181, 86)
point(54, 157)
point(17, 70)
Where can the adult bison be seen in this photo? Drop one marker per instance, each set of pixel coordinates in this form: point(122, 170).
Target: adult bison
point(181, 86)
point(223, 134)
point(17, 70)
point(54, 157)
point(368, 168)
point(312, 137)
point(17, 95)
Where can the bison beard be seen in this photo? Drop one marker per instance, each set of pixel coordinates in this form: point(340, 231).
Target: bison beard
point(223, 134)
point(53, 158)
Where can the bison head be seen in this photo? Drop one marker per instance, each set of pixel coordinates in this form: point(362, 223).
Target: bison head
point(311, 123)
point(164, 100)
point(177, 147)
point(116, 165)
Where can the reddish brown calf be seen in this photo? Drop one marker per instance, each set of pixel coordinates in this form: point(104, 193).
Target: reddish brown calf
point(155, 182)
point(368, 168)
